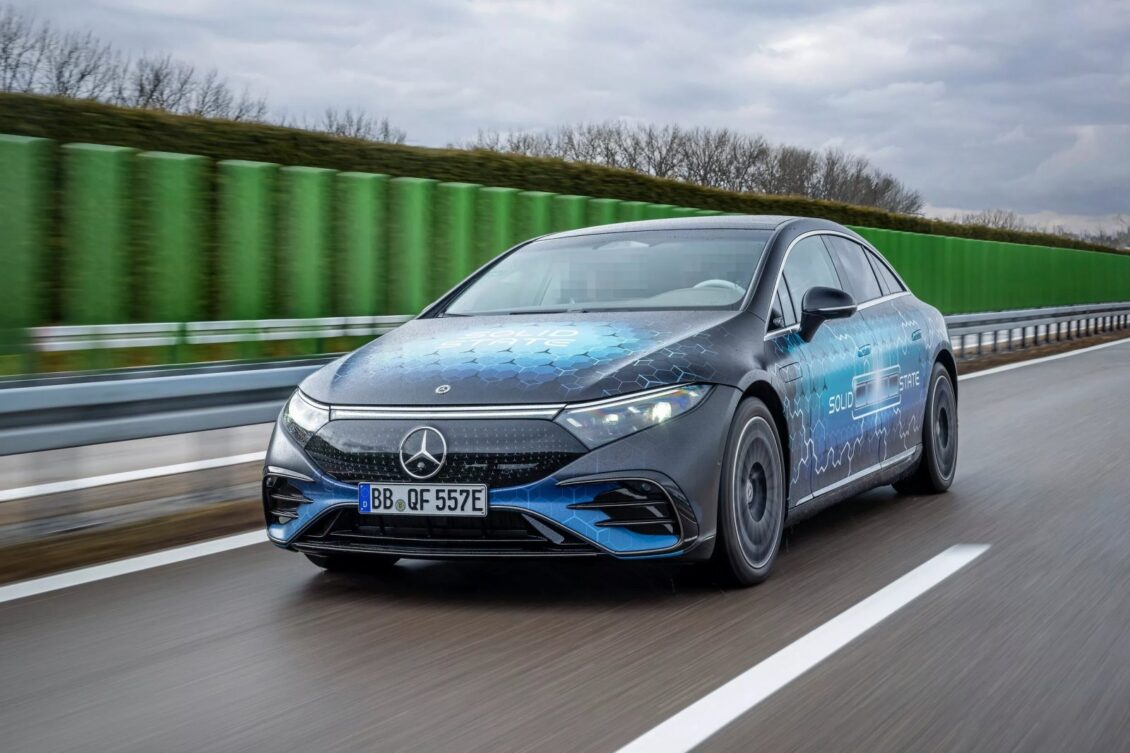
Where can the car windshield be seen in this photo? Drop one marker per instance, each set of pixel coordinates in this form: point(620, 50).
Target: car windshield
point(643, 270)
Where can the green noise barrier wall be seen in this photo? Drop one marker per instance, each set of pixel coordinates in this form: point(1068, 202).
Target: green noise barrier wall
point(93, 234)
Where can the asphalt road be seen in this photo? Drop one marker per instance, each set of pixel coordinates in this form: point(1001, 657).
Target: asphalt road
point(1026, 648)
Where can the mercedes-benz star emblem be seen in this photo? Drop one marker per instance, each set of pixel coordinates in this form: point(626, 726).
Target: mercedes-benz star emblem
point(423, 452)
point(443, 389)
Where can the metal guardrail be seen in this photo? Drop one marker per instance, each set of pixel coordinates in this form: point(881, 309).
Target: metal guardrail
point(56, 412)
point(48, 414)
point(167, 334)
point(1040, 325)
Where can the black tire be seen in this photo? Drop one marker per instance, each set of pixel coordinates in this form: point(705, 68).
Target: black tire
point(751, 501)
point(353, 563)
point(938, 464)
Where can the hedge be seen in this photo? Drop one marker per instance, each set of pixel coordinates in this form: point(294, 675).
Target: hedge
point(69, 121)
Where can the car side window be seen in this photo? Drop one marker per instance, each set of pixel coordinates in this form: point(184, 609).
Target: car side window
point(887, 279)
point(808, 266)
point(781, 312)
point(856, 272)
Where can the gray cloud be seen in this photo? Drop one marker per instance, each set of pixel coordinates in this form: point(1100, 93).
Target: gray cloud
point(1015, 103)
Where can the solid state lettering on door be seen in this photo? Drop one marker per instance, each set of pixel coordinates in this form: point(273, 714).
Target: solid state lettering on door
point(837, 403)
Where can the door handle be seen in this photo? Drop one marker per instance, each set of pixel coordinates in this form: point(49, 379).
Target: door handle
point(864, 350)
point(916, 334)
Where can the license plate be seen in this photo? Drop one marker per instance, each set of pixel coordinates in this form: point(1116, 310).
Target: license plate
point(469, 500)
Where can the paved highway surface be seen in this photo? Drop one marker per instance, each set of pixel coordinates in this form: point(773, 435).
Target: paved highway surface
point(1025, 648)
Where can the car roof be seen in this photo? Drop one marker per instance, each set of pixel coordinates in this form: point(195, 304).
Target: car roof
point(731, 221)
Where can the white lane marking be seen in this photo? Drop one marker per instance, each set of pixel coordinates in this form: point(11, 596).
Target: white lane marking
point(71, 578)
point(703, 718)
point(57, 487)
point(1043, 359)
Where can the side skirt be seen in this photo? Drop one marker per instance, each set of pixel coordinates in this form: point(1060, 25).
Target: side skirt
point(887, 472)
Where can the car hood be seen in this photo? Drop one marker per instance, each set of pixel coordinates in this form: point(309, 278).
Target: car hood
point(504, 360)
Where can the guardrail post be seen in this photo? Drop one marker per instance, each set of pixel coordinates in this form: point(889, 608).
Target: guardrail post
point(23, 242)
point(173, 238)
point(362, 243)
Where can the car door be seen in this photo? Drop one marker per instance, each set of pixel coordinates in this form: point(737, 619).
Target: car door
point(901, 330)
point(819, 376)
point(875, 387)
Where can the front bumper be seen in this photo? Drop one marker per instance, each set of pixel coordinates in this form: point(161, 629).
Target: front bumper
point(570, 512)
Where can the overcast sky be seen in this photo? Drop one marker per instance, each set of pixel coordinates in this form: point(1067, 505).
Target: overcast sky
point(1021, 104)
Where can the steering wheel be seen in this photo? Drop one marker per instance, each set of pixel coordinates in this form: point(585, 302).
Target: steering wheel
point(722, 284)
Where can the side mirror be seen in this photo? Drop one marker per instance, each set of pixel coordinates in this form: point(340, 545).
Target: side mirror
point(820, 305)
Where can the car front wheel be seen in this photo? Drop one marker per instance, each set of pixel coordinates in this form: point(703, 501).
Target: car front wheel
point(751, 514)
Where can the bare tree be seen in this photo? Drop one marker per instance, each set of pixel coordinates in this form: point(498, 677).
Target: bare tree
point(77, 66)
point(36, 57)
point(156, 83)
point(1001, 219)
point(1117, 236)
point(716, 157)
point(358, 124)
point(661, 150)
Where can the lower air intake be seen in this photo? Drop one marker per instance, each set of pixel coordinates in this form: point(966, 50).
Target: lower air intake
point(500, 532)
point(641, 506)
point(281, 499)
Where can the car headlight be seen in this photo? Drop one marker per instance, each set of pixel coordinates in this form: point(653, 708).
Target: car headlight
point(302, 417)
point(601, 422)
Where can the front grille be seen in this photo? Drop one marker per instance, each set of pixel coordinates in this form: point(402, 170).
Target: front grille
point(495, 452)
point(638, 505)
point(500, 532)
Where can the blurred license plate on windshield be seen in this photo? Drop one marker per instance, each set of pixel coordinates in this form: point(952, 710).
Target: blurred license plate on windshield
point(423, 499)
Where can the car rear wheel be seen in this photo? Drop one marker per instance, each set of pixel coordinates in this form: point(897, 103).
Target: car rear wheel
point(353, 563)
point(751, 514)
point(938, 463)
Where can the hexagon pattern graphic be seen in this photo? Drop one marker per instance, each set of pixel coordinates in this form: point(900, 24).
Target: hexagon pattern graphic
point(572, 354)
